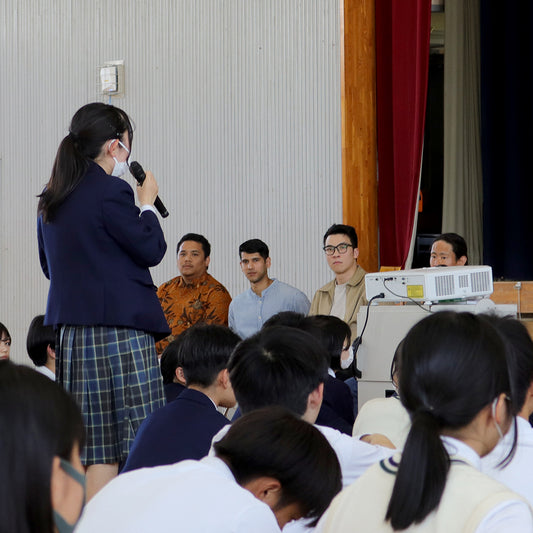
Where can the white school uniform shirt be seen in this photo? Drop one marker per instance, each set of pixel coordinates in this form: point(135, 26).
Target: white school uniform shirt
point(192, 496)
point(354, 456)
point(518, 474)
point(45, 371)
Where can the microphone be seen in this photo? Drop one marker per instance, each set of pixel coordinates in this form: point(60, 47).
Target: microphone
point(138, 173)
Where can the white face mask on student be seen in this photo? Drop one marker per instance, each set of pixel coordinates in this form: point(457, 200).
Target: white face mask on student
point(345, 363)
point(498, 428)
point(121, 167)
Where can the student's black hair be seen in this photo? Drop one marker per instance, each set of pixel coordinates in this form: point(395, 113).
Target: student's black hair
point(4, 331)
point(457, 243)
point(38, 339)
point(291, 319)
point(254, 246)
point(395, 365)
point(170, 360)
point(277, 366)
point(272, 442)
point(453, 365)
point(91, 126)
point(519, 351)
point(195, 237)
point(38, 420)
point(332, 333)
point(204, 351)
point(342, 229)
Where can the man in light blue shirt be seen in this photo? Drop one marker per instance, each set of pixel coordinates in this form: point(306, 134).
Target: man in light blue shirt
point(265, 297)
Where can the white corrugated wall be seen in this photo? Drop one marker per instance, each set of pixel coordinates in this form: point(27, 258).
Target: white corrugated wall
point(237, 108)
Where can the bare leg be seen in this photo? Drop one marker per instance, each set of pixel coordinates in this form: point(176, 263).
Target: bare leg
point(99, 475)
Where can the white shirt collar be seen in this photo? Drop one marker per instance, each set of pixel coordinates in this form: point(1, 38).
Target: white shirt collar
point(46, 372)
point(458, 449)
point(219, 465)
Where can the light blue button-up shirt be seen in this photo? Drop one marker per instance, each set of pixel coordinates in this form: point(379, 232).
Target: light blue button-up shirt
point(248, 312)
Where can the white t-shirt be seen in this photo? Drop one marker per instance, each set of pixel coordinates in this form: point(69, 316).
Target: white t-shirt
point(191, 496)
point(338, 307)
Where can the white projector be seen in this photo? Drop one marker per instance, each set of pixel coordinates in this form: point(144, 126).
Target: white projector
point(431, 284)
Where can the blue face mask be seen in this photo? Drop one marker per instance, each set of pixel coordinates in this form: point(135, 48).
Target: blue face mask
point(61, 524)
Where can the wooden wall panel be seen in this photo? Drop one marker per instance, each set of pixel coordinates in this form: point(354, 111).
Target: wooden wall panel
point(358, 111)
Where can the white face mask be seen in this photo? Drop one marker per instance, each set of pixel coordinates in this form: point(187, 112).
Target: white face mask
point(121, 167)
point(345, 363)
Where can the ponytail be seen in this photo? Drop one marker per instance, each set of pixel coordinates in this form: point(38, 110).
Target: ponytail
point(451, 367)
point(421, 475)
point(68, 170)
point(91, 127)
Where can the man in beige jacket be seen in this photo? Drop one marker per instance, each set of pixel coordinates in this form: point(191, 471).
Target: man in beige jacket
point(342, 296)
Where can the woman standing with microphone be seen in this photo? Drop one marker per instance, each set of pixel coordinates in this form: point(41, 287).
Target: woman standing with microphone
point(96, 248)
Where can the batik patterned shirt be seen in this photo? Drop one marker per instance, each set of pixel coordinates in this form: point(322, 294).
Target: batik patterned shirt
point(184, 304)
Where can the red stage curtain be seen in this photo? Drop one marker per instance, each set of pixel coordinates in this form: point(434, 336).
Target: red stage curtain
point(402, 57)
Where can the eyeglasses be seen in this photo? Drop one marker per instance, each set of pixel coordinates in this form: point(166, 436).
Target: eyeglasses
point(341, 248)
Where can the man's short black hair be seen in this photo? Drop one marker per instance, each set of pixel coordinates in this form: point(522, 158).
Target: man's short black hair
point(170, 360)
point(38, 339)
point(273, 442)
point(204, 351)
point(457, 243)
point(277, 366)
point(254, 246)
point(342, 229)
point(206, 247)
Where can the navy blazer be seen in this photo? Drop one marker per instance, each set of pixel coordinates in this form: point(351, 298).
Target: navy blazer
point(180, 430)
point(97, 252)
point(173, 390)
point(337, 406)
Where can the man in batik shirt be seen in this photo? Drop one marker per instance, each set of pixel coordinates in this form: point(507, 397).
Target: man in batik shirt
point(195, 296)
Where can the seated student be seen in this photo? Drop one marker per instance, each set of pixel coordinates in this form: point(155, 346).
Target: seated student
point(386, 416)
point(455, 384)
point(183, 428)
point(285, 366)
point(291, 319)
point(340, 365)
point(337, 405)
point(172, 371)
point(5, 342)
point(520, 362)
point(448, 249)
point(41, 347)
point(42, 489)
point(270, 468)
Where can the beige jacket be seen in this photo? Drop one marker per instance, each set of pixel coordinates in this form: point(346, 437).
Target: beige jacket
point(355, 298)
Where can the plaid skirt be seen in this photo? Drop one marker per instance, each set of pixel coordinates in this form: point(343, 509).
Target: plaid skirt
point(113, 374)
